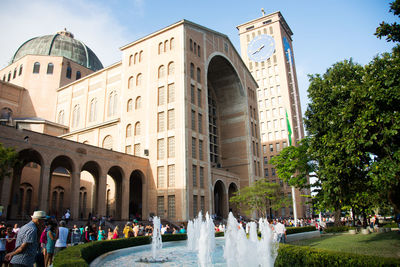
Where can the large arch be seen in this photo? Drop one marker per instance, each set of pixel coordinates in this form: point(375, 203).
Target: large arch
point(114, 193)
point(136, 194)
point(220, 207)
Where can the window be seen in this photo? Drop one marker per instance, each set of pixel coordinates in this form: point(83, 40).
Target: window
point(160, 149)
point(130, 82)
point(9, 76)
point(193, 119)
point(160, 48)
point(160, 206)
point(202, 204)
point(75, 116)
point(138, 102)
point(139, 79)
point(137, 128)
point(199, 97)
point(265, 160)
point(195, 48)
point(112, 103)
point(271, 147)
point(36, 68)
point(108, 142)
point(166, 45)
point(69, 72)
point(130, 60)
point(171, 119)
point(198, 51)
point(78, 75)
point(201, 177)
point(136, 58)
point(171, 147)
point(161, 71)
point(128, 130)
point(171, 68)
point(140, 55)
point(161, 96)
point(93, 110)
point(171, 206)
point(160, 177)
point(192, 94)
point(266, 172)
point(278, 147)
point(60, 118)
point(161, 121)
point(128, 149)
point(201, 157)
point(172, 44)
point(171, 93)
point(137, 150)
point(171, 175)
point(264, 149)
point(200, 123)
point(129, 105)
point(191, 44)
point(4, 77)
point(198, 75)
point(273, 173)
point(194, 174)
point(20, 71)
point(194, 150)
point(192, 70)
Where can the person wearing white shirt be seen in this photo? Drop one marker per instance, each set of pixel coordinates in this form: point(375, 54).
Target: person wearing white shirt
point(62, 237)
point(280, 230)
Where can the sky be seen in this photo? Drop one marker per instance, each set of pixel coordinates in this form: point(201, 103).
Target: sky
point(324, 32)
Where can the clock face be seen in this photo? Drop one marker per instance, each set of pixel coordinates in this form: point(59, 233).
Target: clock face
point(261, 48)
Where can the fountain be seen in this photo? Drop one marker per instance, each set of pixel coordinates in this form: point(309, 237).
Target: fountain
point(201, 248)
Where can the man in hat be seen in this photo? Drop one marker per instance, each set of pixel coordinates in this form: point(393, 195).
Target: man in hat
point(27, 241)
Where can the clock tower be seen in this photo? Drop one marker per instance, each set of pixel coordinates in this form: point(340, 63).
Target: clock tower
point(266, 49)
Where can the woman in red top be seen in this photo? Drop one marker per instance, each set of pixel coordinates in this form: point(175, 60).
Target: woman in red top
point(11, 237)
point(115, 234)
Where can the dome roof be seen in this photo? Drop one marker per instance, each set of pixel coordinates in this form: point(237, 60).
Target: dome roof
point(60, 44)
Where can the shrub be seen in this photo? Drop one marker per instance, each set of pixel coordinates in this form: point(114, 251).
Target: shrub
point(391, 225)
point(295, 230)
point(338, 229)
point(219, 234)
point(290, 255)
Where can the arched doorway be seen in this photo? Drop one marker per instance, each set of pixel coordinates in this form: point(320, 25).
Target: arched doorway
point(220, 200)
point(231, 192)
point(136, 195)
point(89, 183)
point(114, 192)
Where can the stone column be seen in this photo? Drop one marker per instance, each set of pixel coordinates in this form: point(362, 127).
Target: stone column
point(102, 195)
point(44, 185)
point(125, 199)
point(75, 186)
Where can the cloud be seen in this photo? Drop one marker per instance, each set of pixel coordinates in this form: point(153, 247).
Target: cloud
point(90, 23)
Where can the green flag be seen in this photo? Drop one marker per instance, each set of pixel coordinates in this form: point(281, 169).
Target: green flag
point(289, 129)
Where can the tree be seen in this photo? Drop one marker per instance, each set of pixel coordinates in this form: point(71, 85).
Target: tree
point(391, 31)
point(8, 159)
point(259, 197)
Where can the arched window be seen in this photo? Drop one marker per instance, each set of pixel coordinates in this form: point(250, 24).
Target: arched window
point(129, 130)
point(171, 68)
point(166, 46)
point(93, 110)
point(192, 70)
point(130, 82)
point(138, 102)
point(198, 75)
point(161, 71)
point(75, 115)
point(50, 68)
point(69, 72)
point(36, 67)
point(130, 60)
point(20, 70)
point(160, 48)
point(137, 128)
point(140, 55)
point(4, 77)
point(112, 103)
point(15, 73)
point(129, 105)
point(172, 43)
point(78, 75)
point(136, 58)
point(60, 118)
point(139, 79)
point(108, 142)
point(9, 76)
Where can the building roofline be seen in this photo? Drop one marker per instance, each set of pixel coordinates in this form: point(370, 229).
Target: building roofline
point(13, 85)
point(281, 19)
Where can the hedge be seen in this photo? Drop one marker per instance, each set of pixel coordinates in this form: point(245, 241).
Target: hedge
point(338, 229)
point(295, 230)
point(290, 255)
point(83, 254)
point(391, 225)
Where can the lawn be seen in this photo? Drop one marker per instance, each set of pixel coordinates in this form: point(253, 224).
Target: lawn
point(377, 244)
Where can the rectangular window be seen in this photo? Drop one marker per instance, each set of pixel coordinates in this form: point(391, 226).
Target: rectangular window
point(200, 123)
point(199, 97)
point(201, 156)
point(271, 147)
point(171, 119)
point(202, 177)
point(192, 95)
point(171, 147)
point(202, 204)
point(160, 206)
point(273, 173)
point(161, 121)
point(194, 150)
point(194, 174)
point(264, 149)
point(171, 93)
point(284, 144)
point(255, 168)
point(265, 160)
point(193, 120)
point(161, 96)
point(160, 149)
point(128, 149)
point(160, 177)
point(137, 150)
point(266, 172)
point(195, 205)
point(257, 152)
point(171, 175)
point(278, 147)
point(171, 206)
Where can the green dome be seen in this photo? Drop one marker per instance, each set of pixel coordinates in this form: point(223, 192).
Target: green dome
point(60, 44)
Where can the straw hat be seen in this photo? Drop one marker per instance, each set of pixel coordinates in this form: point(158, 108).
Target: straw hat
point(39, 215)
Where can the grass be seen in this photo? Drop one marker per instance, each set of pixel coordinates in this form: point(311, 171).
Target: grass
point(376, 244)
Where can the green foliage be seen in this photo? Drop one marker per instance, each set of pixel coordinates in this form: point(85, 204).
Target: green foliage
point(296, 230)
point(390, 31)
point(8, 159)
point(289, 255)
point(391, 225)
point(260, 196)
point(338, 229)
